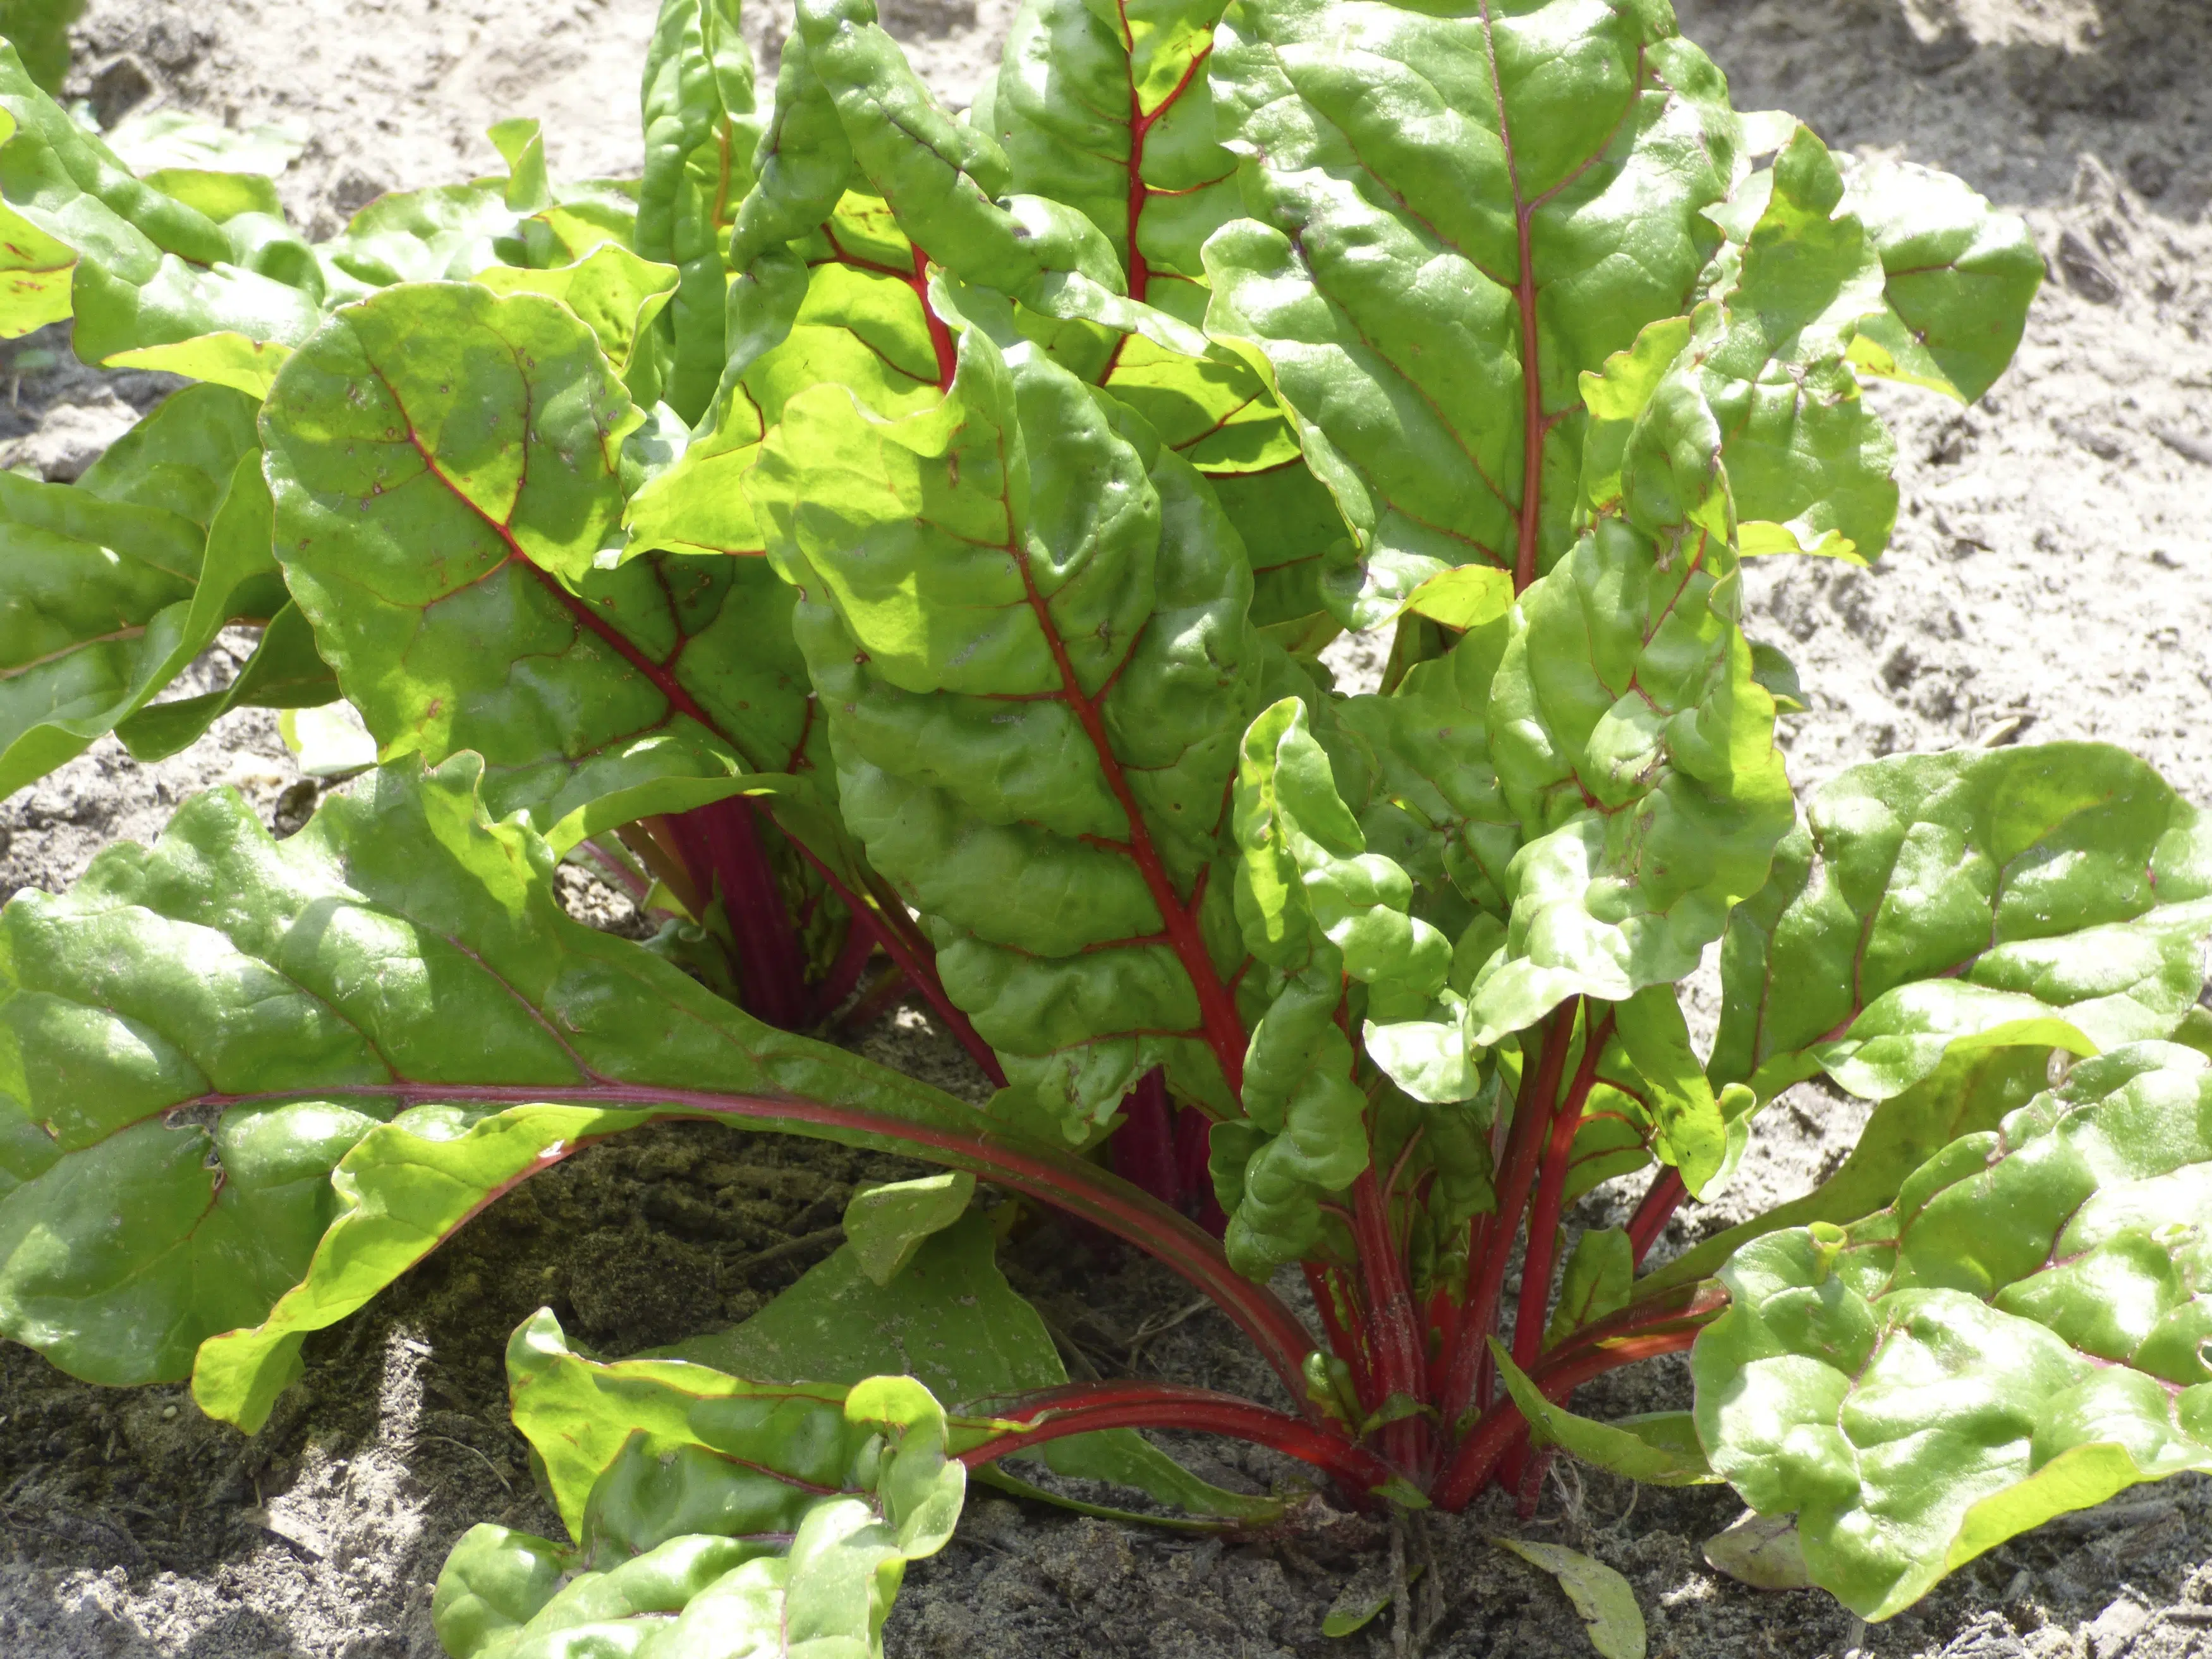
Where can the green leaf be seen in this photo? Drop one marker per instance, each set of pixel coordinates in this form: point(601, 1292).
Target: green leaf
point(400, 1191)
point(699, 136)
point(717, 1516)
point(1960, 277)
point(1632, 741)
point(1111, 112)
point(227, 359)
point(886, 1225)
point(197, 1034)
point(1690, 1132)
point(149, 269)
point(113, 585)
point(1972, 1090)
point(1453, 221)
point(948, 1318)
point(1025, 621)
point(2020, 1335)
point(1808, 464)
point(40, 30)
point(1607, 1606)
point(1596, 1282)
point(284, 671)
point(160, 140)
point(2051, 897)
point(1659, 1449)
point(449, 566)
point(1761, 1551)
point(617, 293)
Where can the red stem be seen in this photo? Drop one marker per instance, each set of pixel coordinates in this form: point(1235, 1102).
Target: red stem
point(1143, 1145)
point(1390, 1320)
point(1551, 1195)
point(915, 960)
point(1085, 1408)
point(1532, 1117)
point(1660, 1202)
point(940, 337)
point(722, 840)
point(1044, 1173)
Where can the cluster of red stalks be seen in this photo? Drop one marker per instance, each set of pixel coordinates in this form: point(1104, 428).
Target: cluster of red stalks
point(1433, 1418)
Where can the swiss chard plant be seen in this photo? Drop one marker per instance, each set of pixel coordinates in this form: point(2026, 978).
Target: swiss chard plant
point(922, 530)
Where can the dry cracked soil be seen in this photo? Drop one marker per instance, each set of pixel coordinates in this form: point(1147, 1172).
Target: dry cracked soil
point(2051, 578)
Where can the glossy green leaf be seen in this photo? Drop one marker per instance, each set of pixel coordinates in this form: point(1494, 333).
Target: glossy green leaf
point(1601, 1595)
point(115, 583)
point(1958, 279)
point(700, 135)
point(159, 140)
point(1633, 743)
point(1689, 1130)
point(948, 1318)
point(441, 531)
point(1454, 217)
point(1972, 1088)
point(1764, 354)
point(227, 359)
point(284, 671)
point(2051, 897)
point(886, 1225)
point(2021, 1335)
point(1025, 621)
point(199, 1032)
point(149, 269)
point(718, 1517)
point(616, 293)
point(1762, 1551)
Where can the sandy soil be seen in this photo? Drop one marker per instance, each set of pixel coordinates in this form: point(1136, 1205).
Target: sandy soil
point(2053, 577)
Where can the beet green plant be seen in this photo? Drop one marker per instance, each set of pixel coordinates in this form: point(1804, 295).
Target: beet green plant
point(921, 530)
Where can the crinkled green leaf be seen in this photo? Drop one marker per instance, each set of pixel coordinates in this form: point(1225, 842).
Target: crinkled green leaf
point(1305, 875)
point(1632, 741)
point(1960, 277)
point(2025, 1332)
point(197, 1033)
point(439, 512)
point(699, 136)
point(149, 269)
point(845, 306)
point(156, 140)
point(948, 1318)
point(616, 293)
point(115, 583)
point(2052, 896)
point(886, 1225)
point(1764, 356)
point(1111, 112)
point(718, 1518)
point(1454, 217)
point(1659, 1449)
point(1972, 1090)
point(1025, 621)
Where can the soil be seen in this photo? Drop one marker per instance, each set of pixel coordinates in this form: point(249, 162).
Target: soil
point(2051, 578)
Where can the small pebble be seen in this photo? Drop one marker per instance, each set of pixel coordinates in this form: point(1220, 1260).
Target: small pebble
point(168, 1413)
